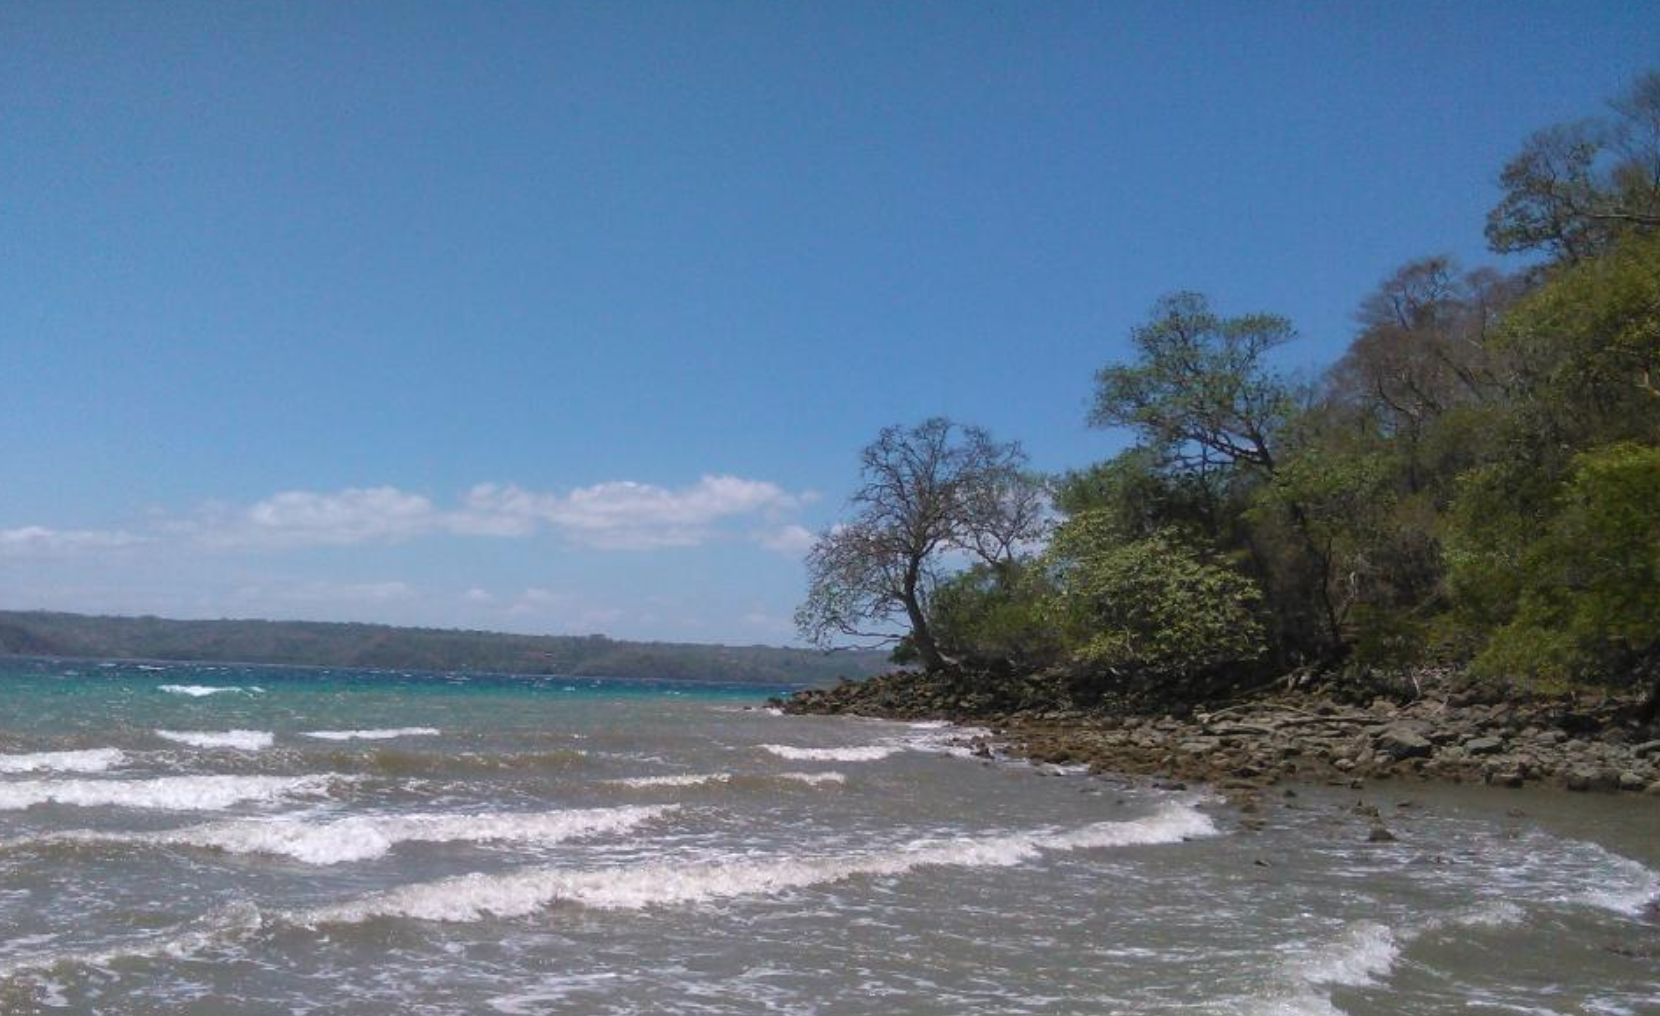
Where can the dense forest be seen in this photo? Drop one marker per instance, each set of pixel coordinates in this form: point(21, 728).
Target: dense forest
point(373, 646)
point(1473, 486)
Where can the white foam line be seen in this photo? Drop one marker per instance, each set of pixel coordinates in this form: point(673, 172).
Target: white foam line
point(813, 779)
point(175, 793)
point(94, 760)
point(866, 753)
point(364, 837)
point(199, 690)
point(383, 734)
point(681, 780)
point(473, 897)
point(242, 740)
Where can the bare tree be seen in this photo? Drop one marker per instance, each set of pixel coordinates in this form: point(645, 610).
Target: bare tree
point(926, 492)
point(1575, 188)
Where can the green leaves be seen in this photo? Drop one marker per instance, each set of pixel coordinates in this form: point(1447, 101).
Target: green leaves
point(1151, 606)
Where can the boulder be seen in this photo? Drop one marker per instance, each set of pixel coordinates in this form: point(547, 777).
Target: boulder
point(1402, 740)
point(1484, 745)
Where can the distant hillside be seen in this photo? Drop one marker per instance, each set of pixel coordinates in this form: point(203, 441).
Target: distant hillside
point(326, 644)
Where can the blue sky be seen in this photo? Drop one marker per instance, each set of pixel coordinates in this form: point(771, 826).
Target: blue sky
point(573, 317)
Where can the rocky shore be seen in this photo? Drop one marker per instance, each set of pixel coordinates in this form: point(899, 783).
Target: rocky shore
point(1457, 734)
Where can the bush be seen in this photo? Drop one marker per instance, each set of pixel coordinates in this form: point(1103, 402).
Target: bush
point(1152, 607)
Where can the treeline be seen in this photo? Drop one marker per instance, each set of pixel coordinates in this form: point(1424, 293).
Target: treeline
point(1476, 482)
point(372, 646)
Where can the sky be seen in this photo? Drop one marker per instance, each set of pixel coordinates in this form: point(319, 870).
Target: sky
point(573, 317)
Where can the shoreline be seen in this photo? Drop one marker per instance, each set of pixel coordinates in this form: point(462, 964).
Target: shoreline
point(1458, 737)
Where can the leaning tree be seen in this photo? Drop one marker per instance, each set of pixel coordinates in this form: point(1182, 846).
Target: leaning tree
point(928, 494)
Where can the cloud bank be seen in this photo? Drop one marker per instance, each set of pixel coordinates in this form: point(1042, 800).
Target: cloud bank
point(617, 515)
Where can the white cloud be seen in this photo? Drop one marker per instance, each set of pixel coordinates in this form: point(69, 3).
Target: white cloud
point(39, 541)
point(624, 515)
point(616, 515)
point(791, 540)
point(476, 595)
point(299, 518)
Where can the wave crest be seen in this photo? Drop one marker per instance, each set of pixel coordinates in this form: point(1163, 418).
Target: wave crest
point(515, 894)
point(242, 740)
point(93, 760)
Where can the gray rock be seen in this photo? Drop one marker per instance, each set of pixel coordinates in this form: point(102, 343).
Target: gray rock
point(1631, 781)
point(1484, 745)
point(1582, 777)
point(1401, 740)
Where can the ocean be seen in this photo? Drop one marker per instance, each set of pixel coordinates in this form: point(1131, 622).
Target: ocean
point(229, 840)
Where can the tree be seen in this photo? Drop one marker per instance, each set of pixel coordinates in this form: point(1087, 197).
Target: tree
point(926, 492)
point(1200, 389)
point(1576, 188)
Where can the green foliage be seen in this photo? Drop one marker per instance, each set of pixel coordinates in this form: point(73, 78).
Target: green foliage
point(1151, 606)
point(994, 615)
point(1586, 351)
point(1584, 598)
point(1200, 388)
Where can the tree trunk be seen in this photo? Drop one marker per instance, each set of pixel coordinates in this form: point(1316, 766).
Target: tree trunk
point(922, 637)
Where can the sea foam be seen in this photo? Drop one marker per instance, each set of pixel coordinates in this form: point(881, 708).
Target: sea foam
point(94, 760)
point(384, 734)
point(243, 740)
point(364, 837)
point(473, 897)
point(679, 780)
point(1362, 954)
point(176, 793)
point(813, 779)
point(865, 753)
point(198, 690)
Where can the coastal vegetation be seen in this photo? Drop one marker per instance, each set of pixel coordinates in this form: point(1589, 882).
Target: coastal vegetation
point(1472, 488)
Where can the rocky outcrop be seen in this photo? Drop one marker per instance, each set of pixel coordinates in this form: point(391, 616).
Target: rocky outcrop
point(1453, 735)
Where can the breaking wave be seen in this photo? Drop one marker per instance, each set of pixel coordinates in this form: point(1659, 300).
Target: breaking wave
point(242, 740)
point(813, 779)
point(866, 753)
point(1364, 953)
point(473, 897)
point(201, 690)
point(174, 793)
point(683, 780)
point(364, 837)
point(385, 734)
point(94, 760)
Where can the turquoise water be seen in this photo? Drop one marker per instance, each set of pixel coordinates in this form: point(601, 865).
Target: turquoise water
point(242, 840)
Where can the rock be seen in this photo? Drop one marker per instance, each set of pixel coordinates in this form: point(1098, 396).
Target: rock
point(1484, 745)
point(1631, 781)
point(1379, 834)
point(1583, 777)
point(1646, 748)
point(1653, 789)
point(1402, 740)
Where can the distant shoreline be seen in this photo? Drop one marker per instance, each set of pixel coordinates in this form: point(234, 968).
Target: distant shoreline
point(43, 634)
